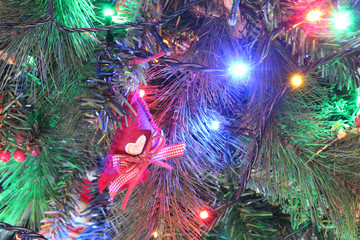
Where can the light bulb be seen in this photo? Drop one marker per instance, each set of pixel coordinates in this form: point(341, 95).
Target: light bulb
point(313, 16)
point(141, 93)
point(239, 69)
point(108, 12)
point(155, 234)
point(342, 20)
point(215, 125)
point(204, 214)
point(296, 80)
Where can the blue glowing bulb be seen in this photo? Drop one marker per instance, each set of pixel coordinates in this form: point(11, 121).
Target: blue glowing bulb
point(239, 69)
point(215, 125)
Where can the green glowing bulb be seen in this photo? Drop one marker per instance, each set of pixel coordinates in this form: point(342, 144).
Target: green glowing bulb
point(108, 12)
point(30, 60)
point(342, 20)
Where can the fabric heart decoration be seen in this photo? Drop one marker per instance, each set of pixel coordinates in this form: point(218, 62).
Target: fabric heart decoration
point(137, 147)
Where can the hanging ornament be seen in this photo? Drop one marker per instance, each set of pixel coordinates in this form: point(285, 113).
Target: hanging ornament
point(134, 148)
point(19, 155)
point(5, 155)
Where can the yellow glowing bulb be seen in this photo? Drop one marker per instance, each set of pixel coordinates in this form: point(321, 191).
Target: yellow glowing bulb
point(155, 234)
point(204, 215)
point(166, 41)
point(313, 16)
point(296, 80)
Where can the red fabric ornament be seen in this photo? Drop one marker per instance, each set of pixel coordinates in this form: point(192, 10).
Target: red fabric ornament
point(131, 168)
point(357, 120)
point(5, 155)
point(133, 149)
point(143, 125)
point(34, 151)
point(19, 155)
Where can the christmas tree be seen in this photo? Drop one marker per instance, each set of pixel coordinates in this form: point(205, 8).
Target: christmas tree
point(179, 119)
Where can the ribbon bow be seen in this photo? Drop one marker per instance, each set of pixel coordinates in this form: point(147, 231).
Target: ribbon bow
point(131, 168)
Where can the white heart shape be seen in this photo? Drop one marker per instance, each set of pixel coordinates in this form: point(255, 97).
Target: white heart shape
point(137, 147)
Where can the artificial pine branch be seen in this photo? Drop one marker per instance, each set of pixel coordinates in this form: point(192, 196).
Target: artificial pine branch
point(276, 140)
point(99, 226)
point(48, 54)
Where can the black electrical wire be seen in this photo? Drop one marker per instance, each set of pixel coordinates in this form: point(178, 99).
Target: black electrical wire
point(21, 231)
point(50, 19)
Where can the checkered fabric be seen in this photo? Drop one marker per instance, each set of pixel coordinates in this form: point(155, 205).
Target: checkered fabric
point(170, 152)
point(131, 168)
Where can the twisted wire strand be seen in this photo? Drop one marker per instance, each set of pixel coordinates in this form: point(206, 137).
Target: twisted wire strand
point(174, 62)
point(21, 231)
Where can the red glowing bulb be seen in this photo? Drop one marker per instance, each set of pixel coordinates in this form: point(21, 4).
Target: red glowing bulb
point(204, 214)
point(314, 16)
point(142, 93)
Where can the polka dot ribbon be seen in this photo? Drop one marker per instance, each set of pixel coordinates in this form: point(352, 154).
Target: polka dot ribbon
point(131, 168)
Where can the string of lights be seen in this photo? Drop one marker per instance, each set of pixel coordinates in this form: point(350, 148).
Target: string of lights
point(50, 19)
point(237, 70)
point(138, 53)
